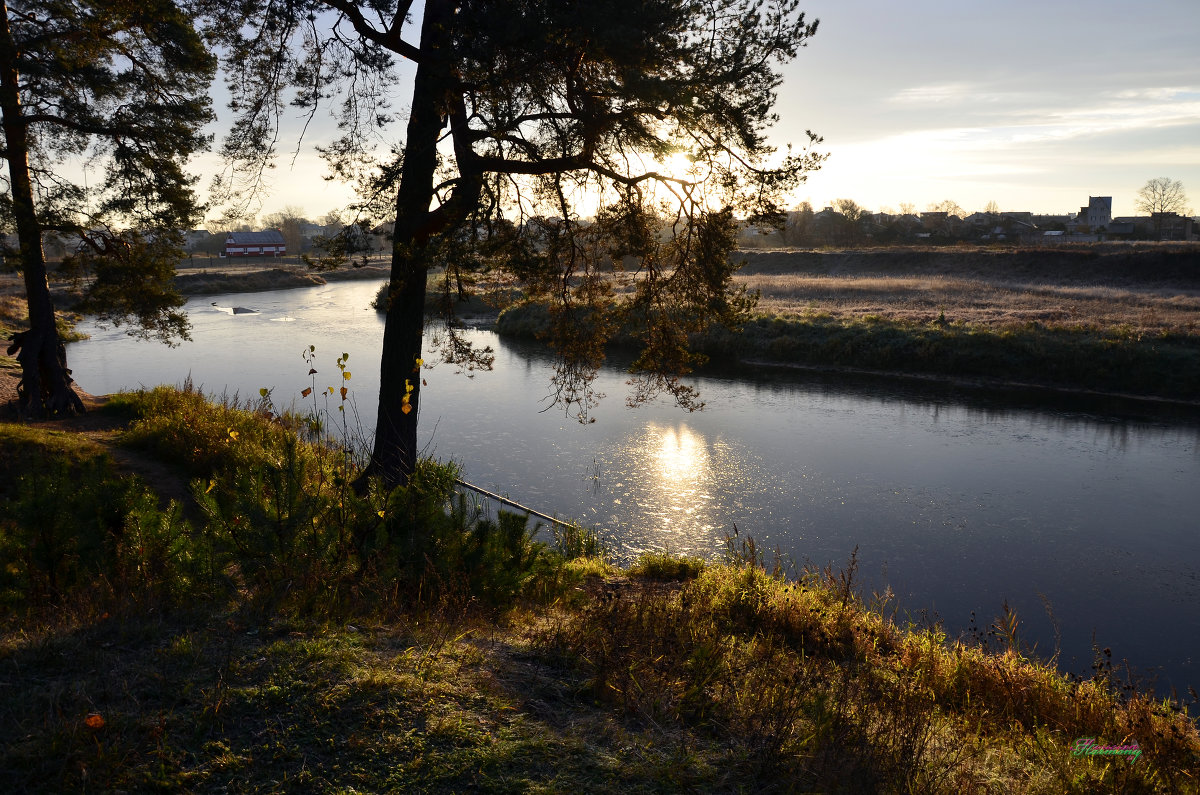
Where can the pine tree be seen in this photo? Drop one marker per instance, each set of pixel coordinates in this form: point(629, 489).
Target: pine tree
point(123, 84)
point(526, 116)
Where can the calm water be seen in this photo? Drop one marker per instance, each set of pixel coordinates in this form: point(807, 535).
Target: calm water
point(958, 500)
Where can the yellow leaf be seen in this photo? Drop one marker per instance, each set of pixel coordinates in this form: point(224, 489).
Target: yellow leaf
point(346, 376)
point(382, 514)
point(408, 387)
point(331, 390)
point(232, 433)
point(212, 484)
point(406, 408)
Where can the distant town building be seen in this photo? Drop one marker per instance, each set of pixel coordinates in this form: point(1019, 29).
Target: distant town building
point(269, 243)
point(1172, 226)
point(1098, 213)
point(1092, 220)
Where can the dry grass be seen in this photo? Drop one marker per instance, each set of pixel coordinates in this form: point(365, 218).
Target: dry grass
point(814, 688)
point(993, 303)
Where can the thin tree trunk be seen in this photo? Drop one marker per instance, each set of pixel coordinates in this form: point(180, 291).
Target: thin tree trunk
point(394, 455)
point(45, 387)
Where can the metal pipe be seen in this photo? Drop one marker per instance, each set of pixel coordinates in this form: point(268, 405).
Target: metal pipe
point(506, 501)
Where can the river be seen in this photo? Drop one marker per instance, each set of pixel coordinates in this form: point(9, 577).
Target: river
point(1081, 514)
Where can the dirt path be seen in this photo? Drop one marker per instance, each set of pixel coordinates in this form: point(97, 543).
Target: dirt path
point(104, 429)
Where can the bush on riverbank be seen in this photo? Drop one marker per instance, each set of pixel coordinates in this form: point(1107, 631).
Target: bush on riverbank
point(1119, 360)
point(279, 633)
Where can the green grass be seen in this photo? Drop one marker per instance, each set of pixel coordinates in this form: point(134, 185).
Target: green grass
point(664, 566)
point(276, 646)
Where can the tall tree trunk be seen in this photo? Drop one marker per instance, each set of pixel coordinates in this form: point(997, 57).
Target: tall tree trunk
point(394, 456)
point(45, 386)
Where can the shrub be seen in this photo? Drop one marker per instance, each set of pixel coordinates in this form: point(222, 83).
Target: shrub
point(73, 526)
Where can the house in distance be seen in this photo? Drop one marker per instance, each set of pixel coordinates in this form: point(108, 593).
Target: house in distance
point(269, 243)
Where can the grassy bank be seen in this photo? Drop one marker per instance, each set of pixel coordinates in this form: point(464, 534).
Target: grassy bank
point(255, 280)
point(1118, 359)
point(1110, 317)
point(274, 632)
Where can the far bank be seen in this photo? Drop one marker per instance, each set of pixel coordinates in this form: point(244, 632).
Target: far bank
point(1110, 318)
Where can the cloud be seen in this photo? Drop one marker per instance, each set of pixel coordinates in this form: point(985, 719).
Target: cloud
point(938, 94)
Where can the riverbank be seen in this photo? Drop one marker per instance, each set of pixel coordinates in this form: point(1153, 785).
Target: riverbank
point(1114, 320)
point(266, 637)
point(250, 280)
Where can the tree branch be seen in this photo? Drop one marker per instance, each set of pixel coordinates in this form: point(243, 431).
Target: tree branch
point(390, 38)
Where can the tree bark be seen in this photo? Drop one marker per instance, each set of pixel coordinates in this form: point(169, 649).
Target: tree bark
point(45, 387)
point(394, 456)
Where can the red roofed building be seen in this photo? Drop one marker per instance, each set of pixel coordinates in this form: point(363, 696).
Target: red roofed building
point(269, 243)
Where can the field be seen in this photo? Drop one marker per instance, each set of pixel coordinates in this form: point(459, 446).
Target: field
point(1151, 289)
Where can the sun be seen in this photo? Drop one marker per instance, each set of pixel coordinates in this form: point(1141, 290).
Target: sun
point(679, 165)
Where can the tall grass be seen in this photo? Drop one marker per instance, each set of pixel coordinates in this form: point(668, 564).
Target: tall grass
point(993, 303)
point(1121, 321)
point(814, 688)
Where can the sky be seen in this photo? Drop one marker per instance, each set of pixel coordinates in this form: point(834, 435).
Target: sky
point(1033, 105)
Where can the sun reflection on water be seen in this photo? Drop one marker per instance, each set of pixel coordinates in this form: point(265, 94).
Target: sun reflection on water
point(675, 489)
point(681, 459)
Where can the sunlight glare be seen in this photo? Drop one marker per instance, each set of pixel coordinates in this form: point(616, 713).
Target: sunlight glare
point(681, 459)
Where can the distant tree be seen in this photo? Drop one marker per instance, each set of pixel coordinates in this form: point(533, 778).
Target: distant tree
point(992, 208)
point(519, 110)
point(850, 210)
point(124, 85)
point(332, 222)
point(849, 229)
point(214, 243)
point(949, 207)
point(799, 227)
point(908, 208)
point(1160, 197)
point(290, 222)
point(943, 218)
